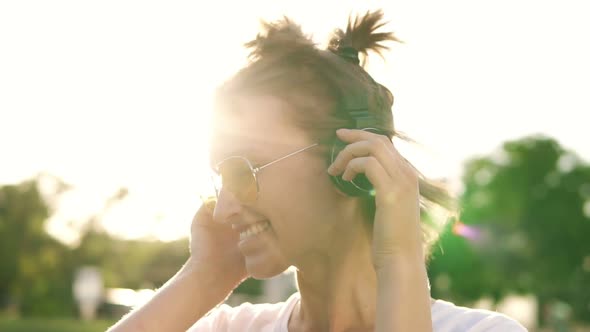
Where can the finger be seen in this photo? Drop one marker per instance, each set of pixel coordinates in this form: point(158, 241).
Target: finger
point(355, 135)
point(350, 151)
point(372, 169)
point(372, 147)
point(204, 215)
point(393, 163)
point(208, 202)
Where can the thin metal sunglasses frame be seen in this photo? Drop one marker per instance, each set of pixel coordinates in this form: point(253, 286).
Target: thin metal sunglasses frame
point(256, 170)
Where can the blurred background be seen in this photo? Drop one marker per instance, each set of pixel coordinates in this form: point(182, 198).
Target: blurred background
point(103, 137)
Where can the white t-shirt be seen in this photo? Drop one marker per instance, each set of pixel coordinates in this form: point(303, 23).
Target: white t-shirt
point(446, 317)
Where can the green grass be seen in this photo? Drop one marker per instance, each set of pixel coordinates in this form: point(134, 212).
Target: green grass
point(52, 325)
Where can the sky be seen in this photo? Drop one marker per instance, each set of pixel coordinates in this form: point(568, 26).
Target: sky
point(115, 94)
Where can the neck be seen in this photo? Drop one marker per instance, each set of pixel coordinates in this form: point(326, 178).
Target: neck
point(338, 291)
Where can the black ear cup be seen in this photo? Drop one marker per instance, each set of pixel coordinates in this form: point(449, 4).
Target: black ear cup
point(360, 186)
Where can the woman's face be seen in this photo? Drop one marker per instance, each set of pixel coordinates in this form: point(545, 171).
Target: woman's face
point(298, 214)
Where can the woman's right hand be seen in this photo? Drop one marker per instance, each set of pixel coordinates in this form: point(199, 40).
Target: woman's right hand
point(213, 270)
point(214, 247)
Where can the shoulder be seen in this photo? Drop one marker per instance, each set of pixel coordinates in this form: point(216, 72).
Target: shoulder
point(447, 317)
point(247, 317)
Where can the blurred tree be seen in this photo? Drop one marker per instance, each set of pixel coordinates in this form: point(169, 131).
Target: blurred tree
point(131, 264)
point(35, 269)
point(524, 228)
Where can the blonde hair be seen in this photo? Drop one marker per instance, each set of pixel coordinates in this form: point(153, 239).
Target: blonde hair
point(285, 63)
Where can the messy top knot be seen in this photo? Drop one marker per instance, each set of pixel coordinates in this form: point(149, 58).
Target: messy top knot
point(278, 38)
point(361, 35)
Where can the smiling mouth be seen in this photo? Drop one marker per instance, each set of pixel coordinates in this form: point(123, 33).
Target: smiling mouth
point(254, 229)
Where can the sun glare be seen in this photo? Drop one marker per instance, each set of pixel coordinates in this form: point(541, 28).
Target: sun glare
point(118, 94)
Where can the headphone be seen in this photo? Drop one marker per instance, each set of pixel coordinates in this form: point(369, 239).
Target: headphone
point(357, 108)
point(360, 186)
point(354, 102)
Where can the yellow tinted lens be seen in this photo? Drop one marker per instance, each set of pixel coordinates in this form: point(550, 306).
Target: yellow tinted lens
point(237, 177)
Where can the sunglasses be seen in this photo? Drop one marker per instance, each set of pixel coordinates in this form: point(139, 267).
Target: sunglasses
point(237, 175)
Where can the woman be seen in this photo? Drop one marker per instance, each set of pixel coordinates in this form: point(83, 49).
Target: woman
point(309, 178)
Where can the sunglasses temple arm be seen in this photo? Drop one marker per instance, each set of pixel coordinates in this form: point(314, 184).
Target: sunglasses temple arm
point(284, 157)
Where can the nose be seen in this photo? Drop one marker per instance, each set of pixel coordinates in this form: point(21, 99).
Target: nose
point(227, 208)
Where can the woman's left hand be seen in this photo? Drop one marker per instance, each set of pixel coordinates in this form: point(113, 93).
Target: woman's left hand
point(396, 229)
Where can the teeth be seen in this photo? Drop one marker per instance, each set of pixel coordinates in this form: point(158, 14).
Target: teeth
point(254, 229)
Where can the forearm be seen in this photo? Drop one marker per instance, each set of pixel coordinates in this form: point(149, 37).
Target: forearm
point(184, 299)
point(403, 297)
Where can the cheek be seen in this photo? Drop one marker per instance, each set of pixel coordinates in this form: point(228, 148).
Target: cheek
point(303, 210)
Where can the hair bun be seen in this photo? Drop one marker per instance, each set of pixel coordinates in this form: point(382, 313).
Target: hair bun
point(361, 35)
point(278, 38)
